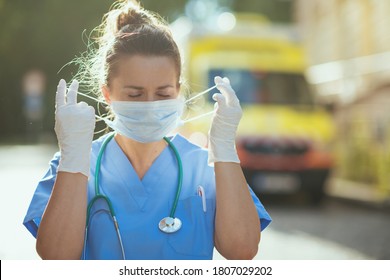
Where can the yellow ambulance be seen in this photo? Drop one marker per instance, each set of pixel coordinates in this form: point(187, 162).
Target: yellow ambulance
point(284, 138)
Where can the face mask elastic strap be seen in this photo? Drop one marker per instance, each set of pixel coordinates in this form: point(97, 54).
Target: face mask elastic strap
point(92, 98)
point(200, 94)
point(98, 101)
point(184, 121)
point(198, 117)
point(101, 118)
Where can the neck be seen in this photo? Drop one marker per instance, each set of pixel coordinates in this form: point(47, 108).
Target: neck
point(141, 155)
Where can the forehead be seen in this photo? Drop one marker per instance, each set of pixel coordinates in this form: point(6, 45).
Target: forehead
point(141, 69)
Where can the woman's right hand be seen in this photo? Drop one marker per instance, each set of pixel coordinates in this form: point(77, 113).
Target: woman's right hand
point(74, 126)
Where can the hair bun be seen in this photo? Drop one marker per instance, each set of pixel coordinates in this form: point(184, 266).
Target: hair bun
point(131, 13)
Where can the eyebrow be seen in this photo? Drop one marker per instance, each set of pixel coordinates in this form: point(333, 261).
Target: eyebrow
point(141, 88)
point(134, 87)
point(166, 86)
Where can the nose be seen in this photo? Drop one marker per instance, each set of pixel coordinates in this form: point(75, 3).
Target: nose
point(150, 97)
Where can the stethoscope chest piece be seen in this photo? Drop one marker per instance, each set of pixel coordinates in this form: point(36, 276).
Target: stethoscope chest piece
point(169, 225)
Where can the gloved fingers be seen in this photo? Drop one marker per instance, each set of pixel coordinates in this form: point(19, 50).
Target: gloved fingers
point(226, 80)
point(91, 111)
point(220, 99)
point(71, 97)
point(88, 109)
point(223, 85)
point(218, 80)
point(60, 94)
point(82, 104)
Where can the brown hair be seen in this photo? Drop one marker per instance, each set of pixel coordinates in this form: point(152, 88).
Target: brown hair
point(127, 29)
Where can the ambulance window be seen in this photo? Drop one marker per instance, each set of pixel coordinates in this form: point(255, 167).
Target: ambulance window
point(260, 87)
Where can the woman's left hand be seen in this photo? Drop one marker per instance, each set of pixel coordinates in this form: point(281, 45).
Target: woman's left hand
point(237, 224)
point(224, 125)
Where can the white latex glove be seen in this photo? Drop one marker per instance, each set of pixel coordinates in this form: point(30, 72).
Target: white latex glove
point(74, 126)
point(223, 128)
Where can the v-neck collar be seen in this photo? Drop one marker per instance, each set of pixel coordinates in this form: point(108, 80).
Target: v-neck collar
point(139, 189)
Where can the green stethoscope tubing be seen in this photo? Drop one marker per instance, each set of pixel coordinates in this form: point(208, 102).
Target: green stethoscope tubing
point(180, 177)
point(98, 195)
point(97, 175)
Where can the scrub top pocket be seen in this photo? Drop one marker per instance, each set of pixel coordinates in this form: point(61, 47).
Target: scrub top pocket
point(195, 239)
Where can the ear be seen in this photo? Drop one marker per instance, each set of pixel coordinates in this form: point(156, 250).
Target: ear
point(178, 88)
point(106, 94)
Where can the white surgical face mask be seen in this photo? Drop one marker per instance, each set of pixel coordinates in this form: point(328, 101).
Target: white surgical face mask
point(148, 121)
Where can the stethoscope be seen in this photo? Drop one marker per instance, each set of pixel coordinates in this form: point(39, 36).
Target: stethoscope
point(168, 224)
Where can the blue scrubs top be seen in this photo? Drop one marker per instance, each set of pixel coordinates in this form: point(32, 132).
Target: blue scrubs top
point(141, 204)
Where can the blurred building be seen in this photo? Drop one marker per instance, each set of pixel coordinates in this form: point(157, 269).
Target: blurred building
point(347, 45)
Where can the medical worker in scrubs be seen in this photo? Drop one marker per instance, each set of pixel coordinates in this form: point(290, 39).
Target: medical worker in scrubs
point(137, 193)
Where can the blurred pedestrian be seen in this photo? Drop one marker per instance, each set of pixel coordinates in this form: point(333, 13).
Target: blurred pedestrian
point(34, 84)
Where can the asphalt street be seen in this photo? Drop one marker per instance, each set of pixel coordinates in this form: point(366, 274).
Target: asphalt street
point(334, 230)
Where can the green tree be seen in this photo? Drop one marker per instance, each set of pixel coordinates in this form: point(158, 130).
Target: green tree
point(47, 34)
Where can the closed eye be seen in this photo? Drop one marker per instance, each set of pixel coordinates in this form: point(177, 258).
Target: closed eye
point(133, 91)
point(134, 95)
point(163, 94)
point(166, 92)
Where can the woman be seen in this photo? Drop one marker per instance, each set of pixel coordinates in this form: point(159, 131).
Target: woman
point(145, 175)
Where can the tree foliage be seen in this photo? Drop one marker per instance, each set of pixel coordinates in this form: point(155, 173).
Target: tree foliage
point(47, 34)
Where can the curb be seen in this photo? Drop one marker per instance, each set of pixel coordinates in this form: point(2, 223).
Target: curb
point(358, 192)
